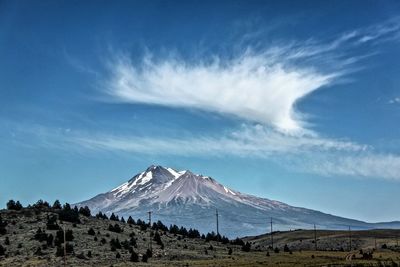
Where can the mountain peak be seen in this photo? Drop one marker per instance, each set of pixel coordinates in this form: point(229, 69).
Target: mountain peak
point(193, 198)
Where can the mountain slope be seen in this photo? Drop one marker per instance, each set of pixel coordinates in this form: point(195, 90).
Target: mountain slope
point(188, 199)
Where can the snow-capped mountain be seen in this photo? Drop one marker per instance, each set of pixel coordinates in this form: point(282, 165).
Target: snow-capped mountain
point(184, 198)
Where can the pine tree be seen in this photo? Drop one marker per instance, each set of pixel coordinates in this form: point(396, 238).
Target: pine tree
point(57, 205)
point(130, 220)
point(134, 256)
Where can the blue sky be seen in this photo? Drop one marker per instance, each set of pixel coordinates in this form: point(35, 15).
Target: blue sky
point(297, 101)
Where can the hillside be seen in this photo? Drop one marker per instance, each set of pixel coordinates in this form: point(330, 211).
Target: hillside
point(93, 242)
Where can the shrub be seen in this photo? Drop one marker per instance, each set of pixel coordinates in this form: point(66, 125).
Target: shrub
point(144, 258)
point(40, 235)
point(52, 223)
point(2, 250)
point(230, 251)
point(149, 253)
point(276, 250)
point(7, 241)
point(60, 250)
point(115, 228)
point(134, 257)
point(91, 231)
point(89, 254)
point(246, 247)
point(118, 256)
point(115, 244)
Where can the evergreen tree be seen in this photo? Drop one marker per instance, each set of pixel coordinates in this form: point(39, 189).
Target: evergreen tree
point(57, 205)
point(130, 220)
point(134, 256)
point(113, 217)
point(12, 205)
point(91, 231)
point(85, 211)
point(246, 247)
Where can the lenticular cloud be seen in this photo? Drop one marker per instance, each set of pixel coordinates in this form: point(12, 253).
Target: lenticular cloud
point(260, 88)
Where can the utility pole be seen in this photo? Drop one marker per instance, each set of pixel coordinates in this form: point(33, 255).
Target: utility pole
point(150, 238)
point(272, 238)
point(349, 238)
point(216, 215)
point(315, 236)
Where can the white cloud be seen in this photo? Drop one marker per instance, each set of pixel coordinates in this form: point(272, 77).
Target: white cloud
point(255, 87)
point(301, 152)
point(386, 166)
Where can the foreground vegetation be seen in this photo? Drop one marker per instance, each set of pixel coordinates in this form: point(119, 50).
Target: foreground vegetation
point(39, 234)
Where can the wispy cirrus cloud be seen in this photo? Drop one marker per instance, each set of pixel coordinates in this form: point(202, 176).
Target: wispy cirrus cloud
point(255, 87)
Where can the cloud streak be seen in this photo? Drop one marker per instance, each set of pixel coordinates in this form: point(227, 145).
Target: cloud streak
point(255, 87)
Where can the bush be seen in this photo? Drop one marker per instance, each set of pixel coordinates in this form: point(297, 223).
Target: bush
point(246, 247)
point(89, 254)
point(134, 257)
point(60, 250)
point(118, 256)
point(115, 244)
point(157, 238)
point(40, 235)
point(286, 248)
point(115, 228)
point(2, 250)
point(230, 251)
point(276, 250)
point(144, 258)
point(149, 253)
point(7, 241)
point(60, 236)
point(91, 231)
point(52, 223)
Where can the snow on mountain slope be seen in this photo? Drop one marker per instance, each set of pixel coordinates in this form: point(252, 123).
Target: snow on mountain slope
point(184, 198)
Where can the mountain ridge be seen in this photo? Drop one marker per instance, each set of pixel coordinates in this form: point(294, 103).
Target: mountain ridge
point(190, 199)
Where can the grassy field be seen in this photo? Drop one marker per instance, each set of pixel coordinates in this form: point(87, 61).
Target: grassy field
point(21, 249)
